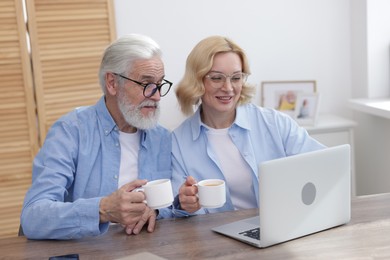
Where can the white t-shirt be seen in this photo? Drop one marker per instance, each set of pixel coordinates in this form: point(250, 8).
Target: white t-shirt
point(128, 170)
point(236, 171)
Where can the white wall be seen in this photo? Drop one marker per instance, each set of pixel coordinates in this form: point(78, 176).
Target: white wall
point(359, 58)
point(284, 40)
point(370, 79)
point(378, 43)
point(342, 44)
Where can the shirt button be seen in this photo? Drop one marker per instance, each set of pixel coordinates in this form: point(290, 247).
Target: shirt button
point(116, 144)
point(115, 177)
point(106, 132)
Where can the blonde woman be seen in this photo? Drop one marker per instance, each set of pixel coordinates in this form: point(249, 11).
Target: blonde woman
point(226, 137)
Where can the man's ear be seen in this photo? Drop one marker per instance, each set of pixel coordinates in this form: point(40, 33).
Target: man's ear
point(111, 84)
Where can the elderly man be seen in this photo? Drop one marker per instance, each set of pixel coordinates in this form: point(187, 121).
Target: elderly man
point(94, 157)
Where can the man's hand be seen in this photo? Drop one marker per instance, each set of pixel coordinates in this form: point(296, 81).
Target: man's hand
point(124, 206)
point(187, 195)
point(149, 217)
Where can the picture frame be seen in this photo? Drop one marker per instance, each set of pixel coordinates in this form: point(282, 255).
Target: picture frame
point(282, 95)
point(306, 108)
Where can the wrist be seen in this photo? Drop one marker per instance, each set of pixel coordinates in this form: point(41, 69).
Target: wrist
point(104, 213)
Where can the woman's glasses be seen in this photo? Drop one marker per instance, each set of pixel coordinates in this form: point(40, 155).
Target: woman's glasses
point(218, 79)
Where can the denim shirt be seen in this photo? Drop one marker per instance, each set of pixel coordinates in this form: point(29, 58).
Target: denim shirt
point(77, 166)
point(260, 134)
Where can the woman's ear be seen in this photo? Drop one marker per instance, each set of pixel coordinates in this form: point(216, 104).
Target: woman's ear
point(111, 84)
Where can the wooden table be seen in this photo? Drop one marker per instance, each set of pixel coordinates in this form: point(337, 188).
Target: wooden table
point(367, 236)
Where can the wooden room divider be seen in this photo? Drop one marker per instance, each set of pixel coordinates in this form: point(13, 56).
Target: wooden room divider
point(63, 43)
point(67, 40)
point(18, 131)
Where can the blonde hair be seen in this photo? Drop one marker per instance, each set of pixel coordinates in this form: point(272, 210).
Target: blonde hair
point(199, 62)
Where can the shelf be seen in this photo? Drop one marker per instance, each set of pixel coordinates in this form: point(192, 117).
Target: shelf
point(330, 123)
point(376, 107)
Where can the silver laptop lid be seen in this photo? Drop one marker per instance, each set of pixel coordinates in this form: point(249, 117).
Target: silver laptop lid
point(299, 195)
point(305, 193)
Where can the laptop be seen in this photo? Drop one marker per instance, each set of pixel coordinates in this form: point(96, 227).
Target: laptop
point(299, 195)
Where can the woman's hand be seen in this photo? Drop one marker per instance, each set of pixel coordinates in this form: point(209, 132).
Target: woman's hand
point(188, 195)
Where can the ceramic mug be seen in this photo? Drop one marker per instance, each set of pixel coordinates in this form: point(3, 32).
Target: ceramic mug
point(211, 193)
point(158, 193)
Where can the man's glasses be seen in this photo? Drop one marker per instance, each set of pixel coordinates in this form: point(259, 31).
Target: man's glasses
point(151, 88)
point(218, 79)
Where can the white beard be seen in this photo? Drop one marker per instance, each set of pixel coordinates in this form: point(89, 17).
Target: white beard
point(133, 115)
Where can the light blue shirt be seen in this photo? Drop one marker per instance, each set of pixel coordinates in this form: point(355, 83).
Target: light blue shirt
point(77, 166)
point(260, 134)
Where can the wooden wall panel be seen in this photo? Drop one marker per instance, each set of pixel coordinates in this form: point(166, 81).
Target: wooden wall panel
point(18, 127)
point(67, 38)
point(64, 43)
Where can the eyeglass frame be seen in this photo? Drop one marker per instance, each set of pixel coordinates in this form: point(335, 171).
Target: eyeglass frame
point(145, 85)
point(243, 74)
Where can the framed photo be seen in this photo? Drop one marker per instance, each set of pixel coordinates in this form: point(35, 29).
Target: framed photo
point(306, 108)
point(282, 95)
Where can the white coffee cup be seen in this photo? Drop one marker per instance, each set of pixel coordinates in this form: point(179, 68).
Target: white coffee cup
point(158, 193)
point(211, 193)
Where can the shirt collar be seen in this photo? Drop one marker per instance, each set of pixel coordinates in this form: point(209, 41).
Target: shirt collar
point(105, 117)
point(242, 120)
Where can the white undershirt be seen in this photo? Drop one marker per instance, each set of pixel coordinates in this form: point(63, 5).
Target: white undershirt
point(236, 171)
point(128, 170)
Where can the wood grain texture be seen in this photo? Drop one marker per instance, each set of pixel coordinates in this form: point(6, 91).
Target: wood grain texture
point(67, 40)
point(365, 237)
point(18, 131)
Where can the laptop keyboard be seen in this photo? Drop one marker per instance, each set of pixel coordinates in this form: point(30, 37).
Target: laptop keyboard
point(252, 233)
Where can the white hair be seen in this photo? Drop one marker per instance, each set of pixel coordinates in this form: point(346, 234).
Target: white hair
point(120, 55)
